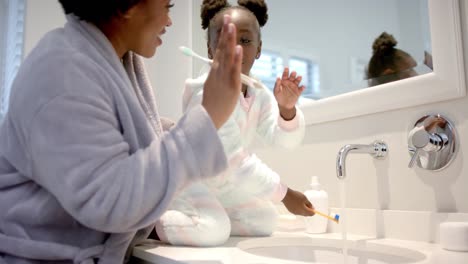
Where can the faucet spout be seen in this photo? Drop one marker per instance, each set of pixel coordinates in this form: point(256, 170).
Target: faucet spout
point(378, 150)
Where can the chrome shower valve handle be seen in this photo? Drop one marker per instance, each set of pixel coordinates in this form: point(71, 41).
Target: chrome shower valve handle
point(434, 136)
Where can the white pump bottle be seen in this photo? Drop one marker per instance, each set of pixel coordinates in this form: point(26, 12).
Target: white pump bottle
point(319, 199)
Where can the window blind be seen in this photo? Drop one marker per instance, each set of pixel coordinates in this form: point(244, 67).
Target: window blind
point(11, 47)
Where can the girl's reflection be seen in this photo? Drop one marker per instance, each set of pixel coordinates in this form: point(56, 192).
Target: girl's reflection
point(388, 63)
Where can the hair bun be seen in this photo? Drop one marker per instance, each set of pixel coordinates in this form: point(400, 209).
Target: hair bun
point(209, 10)
point(384, 43)
point(258, 7)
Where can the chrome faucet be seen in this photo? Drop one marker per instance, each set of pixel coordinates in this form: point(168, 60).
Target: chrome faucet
point(378, 150)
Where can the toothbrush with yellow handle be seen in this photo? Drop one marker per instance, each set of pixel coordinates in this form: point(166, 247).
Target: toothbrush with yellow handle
point(333, 217)
point(244, 78)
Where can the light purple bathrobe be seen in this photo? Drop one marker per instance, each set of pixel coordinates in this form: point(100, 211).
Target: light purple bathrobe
point(85, 168)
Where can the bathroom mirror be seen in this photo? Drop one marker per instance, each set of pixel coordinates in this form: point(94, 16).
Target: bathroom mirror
point(421, 27)
point(333, 53)
point(332, 42)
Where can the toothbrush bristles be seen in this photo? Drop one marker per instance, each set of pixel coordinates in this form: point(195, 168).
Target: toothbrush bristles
point(337, 218)
point(189, 52)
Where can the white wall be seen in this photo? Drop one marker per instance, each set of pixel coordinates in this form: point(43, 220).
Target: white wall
point(168, 69)
point(387, 184)
point(199, 39)
point(41, 17)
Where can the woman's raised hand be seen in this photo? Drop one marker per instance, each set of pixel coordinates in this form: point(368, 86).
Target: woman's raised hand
point(223, 85)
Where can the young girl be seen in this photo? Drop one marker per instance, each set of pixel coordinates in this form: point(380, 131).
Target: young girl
point(240, 201)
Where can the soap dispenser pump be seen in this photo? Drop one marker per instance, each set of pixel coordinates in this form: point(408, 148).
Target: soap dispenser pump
point(319, 199)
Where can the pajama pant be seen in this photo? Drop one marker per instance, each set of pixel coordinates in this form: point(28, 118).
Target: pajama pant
point(199, 217)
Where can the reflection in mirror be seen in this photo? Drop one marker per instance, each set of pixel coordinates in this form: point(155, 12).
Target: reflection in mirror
point(330, 42)
point(336, 37)
point(389, 63)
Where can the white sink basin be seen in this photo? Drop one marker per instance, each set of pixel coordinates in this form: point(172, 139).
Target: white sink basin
point(297, 248)
point(310, 250)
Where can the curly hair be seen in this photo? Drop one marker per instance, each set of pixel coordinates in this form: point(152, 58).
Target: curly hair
point(384, 44)
point(97, 11)
point(385, 56)
point(211, 8)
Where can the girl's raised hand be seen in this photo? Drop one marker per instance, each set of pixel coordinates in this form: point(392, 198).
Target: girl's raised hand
point(288, 90)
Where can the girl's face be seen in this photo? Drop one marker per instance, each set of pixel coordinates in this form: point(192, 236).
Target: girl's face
point(248, 36)
point(145, 23)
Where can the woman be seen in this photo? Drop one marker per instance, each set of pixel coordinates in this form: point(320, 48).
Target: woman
point(85, 169)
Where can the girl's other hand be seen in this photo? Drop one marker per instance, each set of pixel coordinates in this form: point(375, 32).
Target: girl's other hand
point(287, 91)
point(297, 203)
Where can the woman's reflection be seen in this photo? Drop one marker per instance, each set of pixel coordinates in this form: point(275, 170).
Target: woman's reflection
point(388, 63)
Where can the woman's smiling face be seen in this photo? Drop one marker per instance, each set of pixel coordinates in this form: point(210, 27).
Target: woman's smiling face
point(147, 22)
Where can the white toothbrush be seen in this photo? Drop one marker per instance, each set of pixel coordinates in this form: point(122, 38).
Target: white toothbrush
point(244, 78)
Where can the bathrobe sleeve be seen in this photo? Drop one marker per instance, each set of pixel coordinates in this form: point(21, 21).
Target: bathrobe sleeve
point(80, 156)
